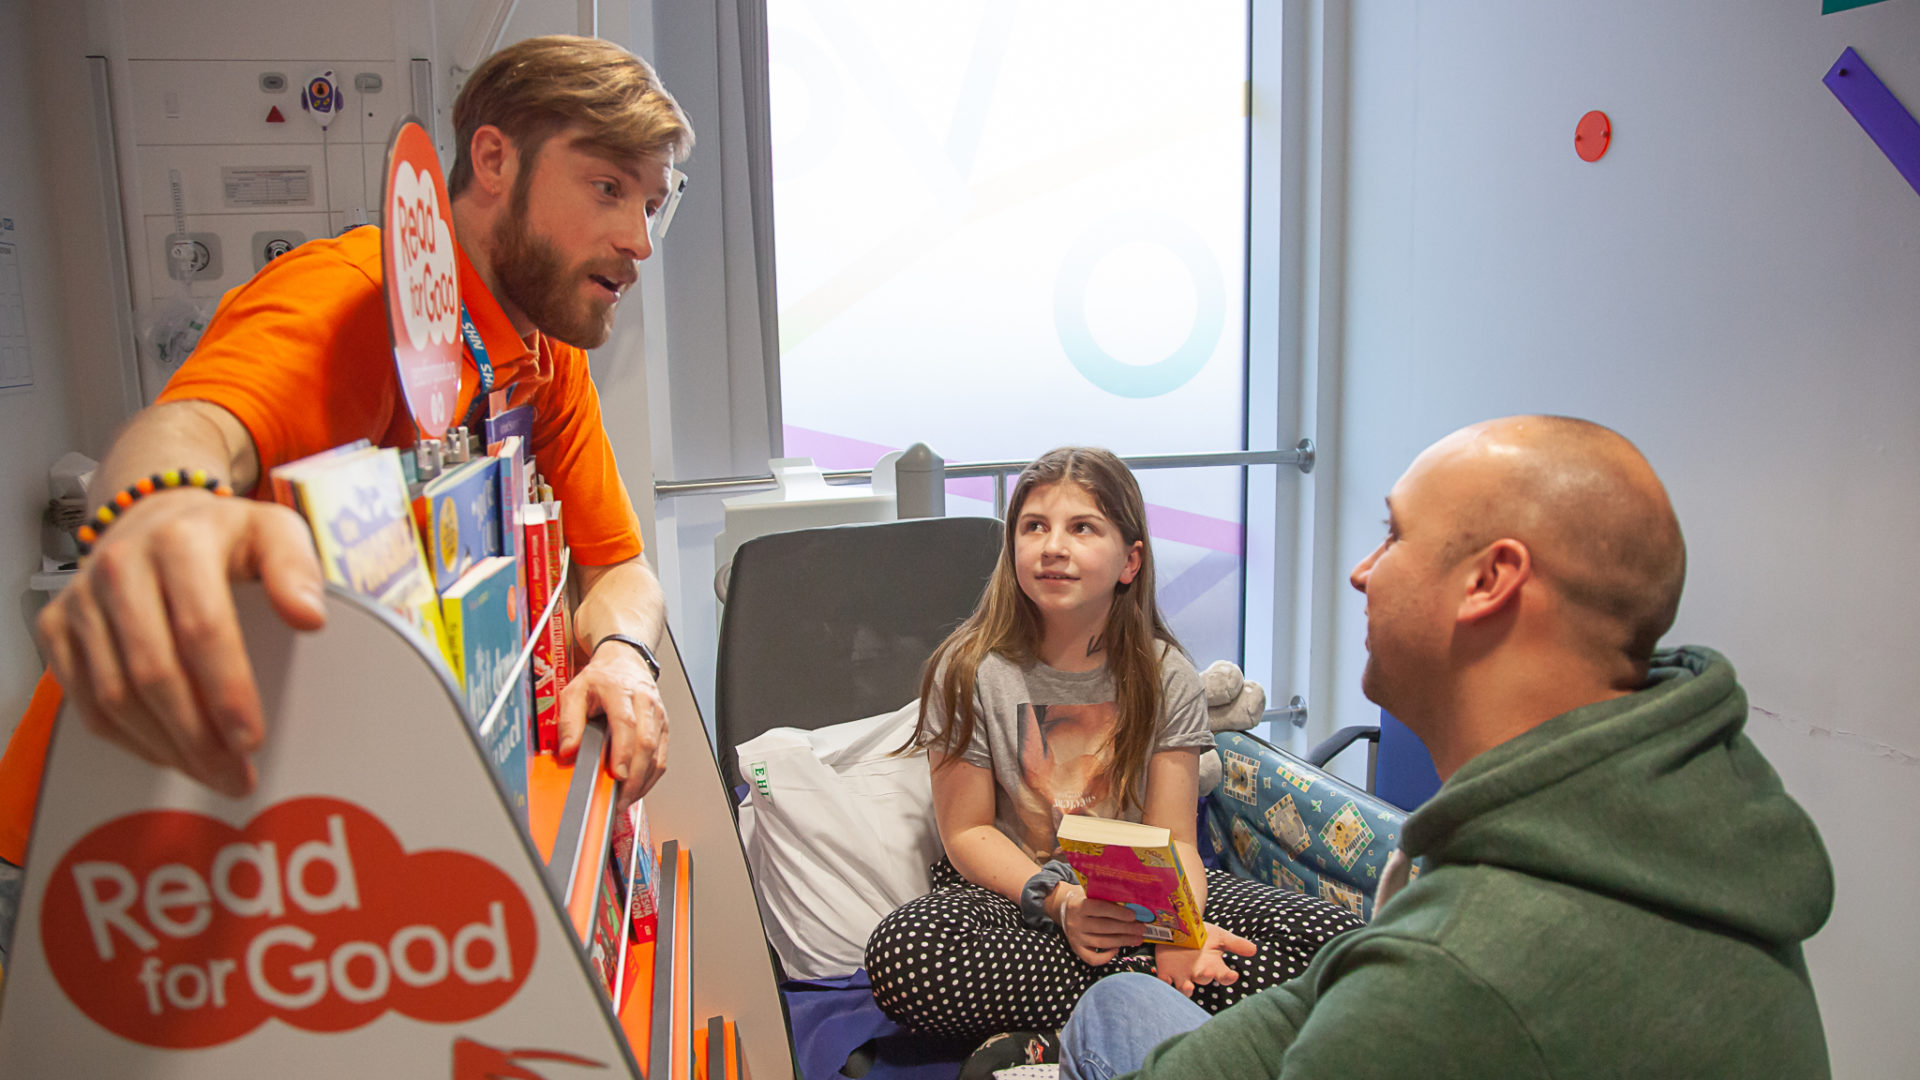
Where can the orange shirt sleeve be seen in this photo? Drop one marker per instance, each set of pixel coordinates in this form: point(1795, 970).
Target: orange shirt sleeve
point(21, 769)
point(300, 353)
point(571, 448)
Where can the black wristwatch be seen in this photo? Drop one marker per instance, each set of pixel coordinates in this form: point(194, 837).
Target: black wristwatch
point(646, 654)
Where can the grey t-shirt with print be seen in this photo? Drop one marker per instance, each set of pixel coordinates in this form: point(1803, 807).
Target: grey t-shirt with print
point(1047, 735)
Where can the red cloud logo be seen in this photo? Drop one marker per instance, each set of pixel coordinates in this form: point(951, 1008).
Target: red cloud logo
point(177, 930)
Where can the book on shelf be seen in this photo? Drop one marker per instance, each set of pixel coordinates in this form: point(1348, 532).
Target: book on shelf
point(484, 636)
point(515, 421)
point(504, 735)
point(638, 864)
point(511, 472)
point(560, 627)
point(552, 664)
point(607, 949)
point(1137, 867)
point(354, 498)
point(458, 515)
point(280, 478)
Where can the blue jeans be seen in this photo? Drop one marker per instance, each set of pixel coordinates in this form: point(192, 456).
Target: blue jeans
point(1118, 1020)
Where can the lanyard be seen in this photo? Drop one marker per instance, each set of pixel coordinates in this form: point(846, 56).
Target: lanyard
point(477, 409)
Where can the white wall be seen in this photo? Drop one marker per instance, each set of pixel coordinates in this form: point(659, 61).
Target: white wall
point(48, 177)
point(1734, 287)
point(35, 424)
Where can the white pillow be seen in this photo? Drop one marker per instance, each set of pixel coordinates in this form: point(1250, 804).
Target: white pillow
point(838, 833)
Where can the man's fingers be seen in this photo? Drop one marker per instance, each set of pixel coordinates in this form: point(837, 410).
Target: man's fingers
point(170, 713)
point(206, 630)
point(572, 720)
point(52, 624)
point(100, 690)
point(652, 745)
point(277, 547)
point(621, 736)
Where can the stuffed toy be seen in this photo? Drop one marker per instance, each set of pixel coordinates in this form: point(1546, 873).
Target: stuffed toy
point(1233, 704)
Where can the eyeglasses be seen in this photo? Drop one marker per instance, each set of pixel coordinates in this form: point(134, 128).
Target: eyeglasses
point(663, 217)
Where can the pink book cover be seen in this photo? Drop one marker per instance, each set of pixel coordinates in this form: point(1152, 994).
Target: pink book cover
point(1147, 880)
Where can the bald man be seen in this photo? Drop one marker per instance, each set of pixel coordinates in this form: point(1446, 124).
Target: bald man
point(1613, 881)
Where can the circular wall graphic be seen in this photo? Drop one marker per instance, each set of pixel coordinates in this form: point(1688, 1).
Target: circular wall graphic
point(1592, 136)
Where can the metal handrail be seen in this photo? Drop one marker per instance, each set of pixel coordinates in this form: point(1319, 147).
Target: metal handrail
point(1301, 456)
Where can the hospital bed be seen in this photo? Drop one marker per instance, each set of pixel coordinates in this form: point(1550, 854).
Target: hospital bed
point(827, 625)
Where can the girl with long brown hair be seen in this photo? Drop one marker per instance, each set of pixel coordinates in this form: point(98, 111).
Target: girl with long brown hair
point(1065, 693)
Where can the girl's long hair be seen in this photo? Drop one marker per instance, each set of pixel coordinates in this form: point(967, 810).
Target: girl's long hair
point(1007, 622)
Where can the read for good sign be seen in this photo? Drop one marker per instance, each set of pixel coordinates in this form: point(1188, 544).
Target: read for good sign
point(174, 929)
point(422, 279)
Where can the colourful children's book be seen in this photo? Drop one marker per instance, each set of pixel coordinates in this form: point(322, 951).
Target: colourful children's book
point(1137, 867)
point(280, 478)
point(458, 514)
point(643, 906)
point(483, 625)
point(355, 500)
point(484, 630)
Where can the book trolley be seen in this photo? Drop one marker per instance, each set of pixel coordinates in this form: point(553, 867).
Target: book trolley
point(381, 905)
point(376, 908)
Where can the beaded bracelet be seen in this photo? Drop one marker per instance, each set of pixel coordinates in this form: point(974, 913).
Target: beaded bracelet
point(89, 533)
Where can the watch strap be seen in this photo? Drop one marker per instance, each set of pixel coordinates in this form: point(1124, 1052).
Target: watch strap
point(646, 654)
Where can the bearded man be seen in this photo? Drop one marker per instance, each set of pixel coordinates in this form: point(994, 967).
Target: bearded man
point(566, 151)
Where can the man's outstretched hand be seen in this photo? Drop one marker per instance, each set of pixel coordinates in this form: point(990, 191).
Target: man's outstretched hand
point(617, 684)
point(145, 641)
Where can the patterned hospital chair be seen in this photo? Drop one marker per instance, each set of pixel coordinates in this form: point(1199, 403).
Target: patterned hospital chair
point(1277, 819)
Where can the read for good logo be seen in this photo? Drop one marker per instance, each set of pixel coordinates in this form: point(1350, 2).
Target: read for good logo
point(428, 292)
point(177, 930)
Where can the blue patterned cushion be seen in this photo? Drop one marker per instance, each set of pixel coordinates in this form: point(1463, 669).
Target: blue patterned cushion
point(1279, 820)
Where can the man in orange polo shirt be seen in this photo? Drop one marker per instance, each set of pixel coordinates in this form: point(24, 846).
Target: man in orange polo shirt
point(566, 146)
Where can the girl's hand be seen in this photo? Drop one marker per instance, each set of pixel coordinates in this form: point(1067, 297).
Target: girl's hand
point(1096, 929)
point(1183, 968)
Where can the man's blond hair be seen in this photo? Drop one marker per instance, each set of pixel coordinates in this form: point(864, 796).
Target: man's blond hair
point(536, 88)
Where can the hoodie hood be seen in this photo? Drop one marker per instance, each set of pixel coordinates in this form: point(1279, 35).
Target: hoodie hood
point(1656, 798)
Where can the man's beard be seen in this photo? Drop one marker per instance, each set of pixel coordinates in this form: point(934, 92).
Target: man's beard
point(532, 278)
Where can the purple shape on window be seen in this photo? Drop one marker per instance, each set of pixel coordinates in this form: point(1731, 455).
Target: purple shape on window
point(1886, 121)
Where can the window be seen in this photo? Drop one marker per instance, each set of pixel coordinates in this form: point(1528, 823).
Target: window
point(1002, 228)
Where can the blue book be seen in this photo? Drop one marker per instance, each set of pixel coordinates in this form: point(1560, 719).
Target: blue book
point(458, 513)
point(506, 740)
point(515, 421)
point(485, 629)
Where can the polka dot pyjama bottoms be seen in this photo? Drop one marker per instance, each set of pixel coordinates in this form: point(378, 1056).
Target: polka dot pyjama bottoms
point(959, 962)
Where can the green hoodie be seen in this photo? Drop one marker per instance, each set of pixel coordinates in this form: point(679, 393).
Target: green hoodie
point(1620, 892)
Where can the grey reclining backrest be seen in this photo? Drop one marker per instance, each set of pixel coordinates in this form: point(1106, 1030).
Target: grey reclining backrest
point(827, 625)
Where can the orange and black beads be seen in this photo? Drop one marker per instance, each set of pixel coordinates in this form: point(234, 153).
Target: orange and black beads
point(89, 534)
